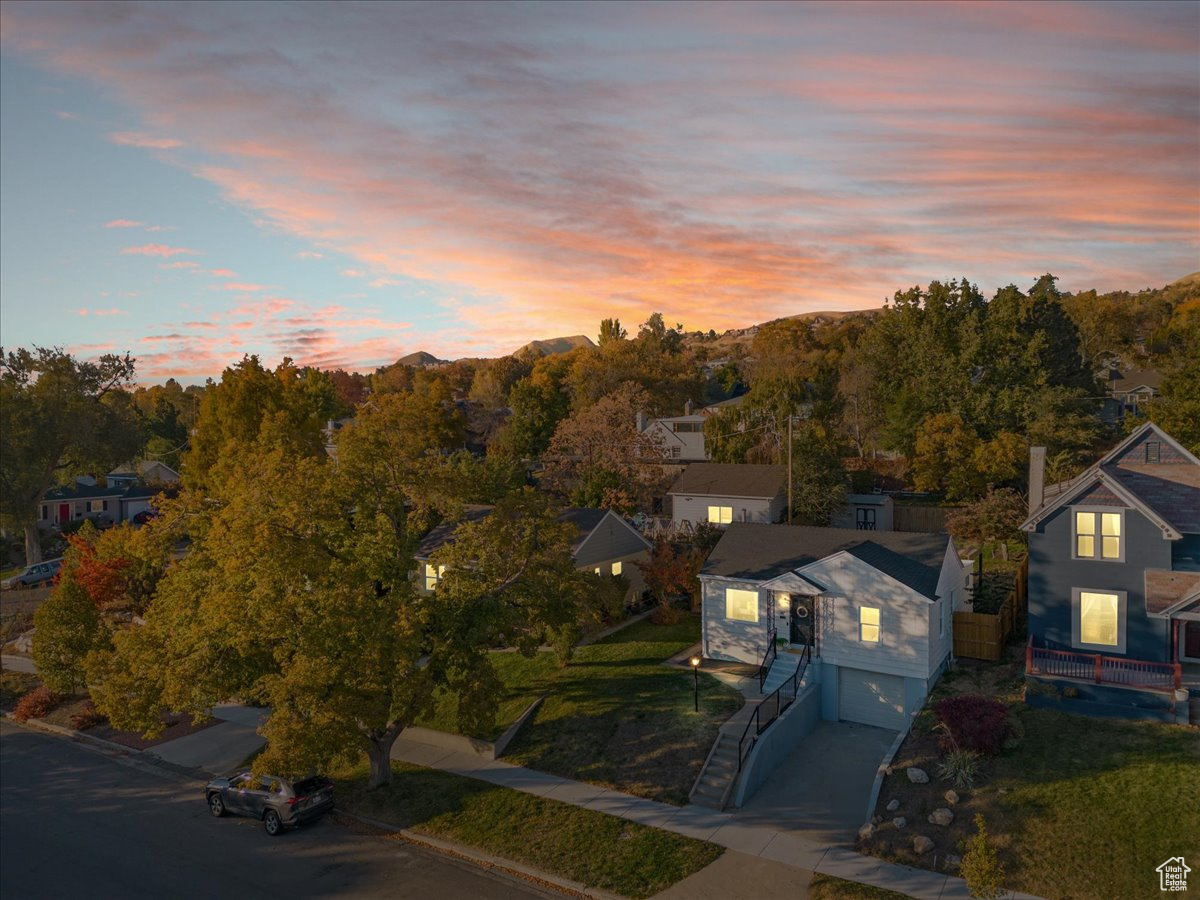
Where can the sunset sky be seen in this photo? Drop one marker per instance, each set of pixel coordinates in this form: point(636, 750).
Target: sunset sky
point(345, 184)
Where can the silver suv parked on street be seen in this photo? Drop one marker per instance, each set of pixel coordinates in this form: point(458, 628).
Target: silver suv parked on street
point(278, 802)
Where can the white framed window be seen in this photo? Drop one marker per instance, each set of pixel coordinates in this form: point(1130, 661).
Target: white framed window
point(1098, 535)
point(617, 567)
point(720, 515)
point(1098, 619)
point(741, 605)
point(868, 624)
point(433, 574)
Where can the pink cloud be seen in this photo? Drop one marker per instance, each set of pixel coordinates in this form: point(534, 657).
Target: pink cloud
point(182, 264)
point(156, 250)
point(103, 312)
point(222, 273)
point(309, 254)
point(243, 287)
point(141, 139)
point(123, 223)
point(354, 273)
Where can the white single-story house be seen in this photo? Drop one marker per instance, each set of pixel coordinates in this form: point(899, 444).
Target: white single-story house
point(606, 544)
point(148, 471)
point(723, 493)
point(874, 609)
point(865, 512)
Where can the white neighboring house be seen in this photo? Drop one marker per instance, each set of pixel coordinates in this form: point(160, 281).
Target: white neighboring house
point(148, 471)
point(682, 437)
point(876, 609)
point(606, 545)
point(723, 493)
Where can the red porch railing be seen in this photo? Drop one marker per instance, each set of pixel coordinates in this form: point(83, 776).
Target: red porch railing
point(1101, 669)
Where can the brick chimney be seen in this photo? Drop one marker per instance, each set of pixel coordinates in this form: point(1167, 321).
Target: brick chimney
point(1037, 477)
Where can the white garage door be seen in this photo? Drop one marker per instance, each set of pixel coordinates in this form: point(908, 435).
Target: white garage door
point(133, 507)
point(871, 698)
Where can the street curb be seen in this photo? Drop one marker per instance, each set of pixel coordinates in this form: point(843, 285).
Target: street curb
point(485, 860)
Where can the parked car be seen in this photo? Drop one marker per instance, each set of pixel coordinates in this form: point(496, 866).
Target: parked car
point(144, 516)
point(39, 573)
point(277, 802)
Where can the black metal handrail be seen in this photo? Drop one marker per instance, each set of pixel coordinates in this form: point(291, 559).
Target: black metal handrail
point(769, 657)
point(776, 701)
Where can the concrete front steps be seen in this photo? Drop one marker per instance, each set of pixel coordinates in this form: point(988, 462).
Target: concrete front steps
point(716, 779)
point(781, 670)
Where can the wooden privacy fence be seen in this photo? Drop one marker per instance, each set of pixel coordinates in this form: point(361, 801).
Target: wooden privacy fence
point(983, 635)
point(918, 518)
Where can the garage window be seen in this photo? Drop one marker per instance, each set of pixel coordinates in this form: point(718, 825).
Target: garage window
point(741, 606)
point(868, 624)
point(720, 515)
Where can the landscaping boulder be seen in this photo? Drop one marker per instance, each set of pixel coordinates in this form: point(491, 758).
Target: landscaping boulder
point(941, 816)
point(866, 831)
point(918, 776)
point(953, 861)
point(951, 796)
point(899, 821)
point(893, 805)
point(922, 844)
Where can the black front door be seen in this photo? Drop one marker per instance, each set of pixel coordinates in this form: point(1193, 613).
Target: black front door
point(804, 620)
point(865, 519)
point(1191, 640)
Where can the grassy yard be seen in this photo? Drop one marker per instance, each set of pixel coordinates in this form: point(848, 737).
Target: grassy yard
point(1080, 808)
point(826, 887)
point(598, 850)
point(616, 716)
point(524, 678)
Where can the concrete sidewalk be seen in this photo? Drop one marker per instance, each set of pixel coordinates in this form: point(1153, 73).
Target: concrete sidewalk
point(220, 748)
point(721, 828)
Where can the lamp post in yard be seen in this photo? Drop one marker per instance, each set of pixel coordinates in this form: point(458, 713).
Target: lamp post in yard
point(695, 661)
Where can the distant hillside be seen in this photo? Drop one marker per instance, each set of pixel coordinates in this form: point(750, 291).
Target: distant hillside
point(420, 358)
point(558, 345)
point(1192, 280)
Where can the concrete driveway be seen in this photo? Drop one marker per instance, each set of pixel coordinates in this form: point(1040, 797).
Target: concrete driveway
point(821, 790)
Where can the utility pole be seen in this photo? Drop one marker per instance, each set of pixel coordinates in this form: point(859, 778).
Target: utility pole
point(789, 509)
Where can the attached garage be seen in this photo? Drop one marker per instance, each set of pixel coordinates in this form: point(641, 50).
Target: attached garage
point(871, 698)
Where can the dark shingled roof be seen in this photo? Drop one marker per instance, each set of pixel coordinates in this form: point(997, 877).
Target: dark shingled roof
point(762, 552)
point(730, 480)
point(66, 493)
point(444, 534)
point(1171, 490)
point(583, 518)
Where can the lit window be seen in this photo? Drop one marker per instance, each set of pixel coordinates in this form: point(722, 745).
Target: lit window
point(868, 624)
point(1098, 618)
point(742, 606)
point(597, 570)
point(720, 515)
point(616, 568)
point(433, 575)
point(1106, 527)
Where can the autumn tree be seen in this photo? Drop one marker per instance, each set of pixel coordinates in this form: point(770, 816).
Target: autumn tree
point(598, 457)
point(945, 447)
point(611, 330)
point(996, 516)
point(669, 572)
point(537, 408)
point(59, 417)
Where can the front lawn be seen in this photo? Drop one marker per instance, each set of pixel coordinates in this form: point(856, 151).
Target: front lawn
point(616, 716)
point(1080, 808)
point(524, 678)
point(599, 850)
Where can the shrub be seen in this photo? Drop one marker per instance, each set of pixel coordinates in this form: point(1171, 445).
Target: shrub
point(961, 767)
point(88, 717)
point(974, 723)
point(36, 704)
point(981, 867)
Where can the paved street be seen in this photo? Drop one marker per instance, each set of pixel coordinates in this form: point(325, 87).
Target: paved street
point(76, 823)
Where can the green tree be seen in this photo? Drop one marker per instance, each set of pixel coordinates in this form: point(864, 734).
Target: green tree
point(59, 417)
point(537, 408)
point(67, 627)
point(611, 330)
point(945, 450)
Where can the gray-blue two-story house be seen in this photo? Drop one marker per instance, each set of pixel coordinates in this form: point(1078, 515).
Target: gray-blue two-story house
point(1114, 581)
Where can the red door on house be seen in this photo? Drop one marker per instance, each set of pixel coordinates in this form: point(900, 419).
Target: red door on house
point(64, 513)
